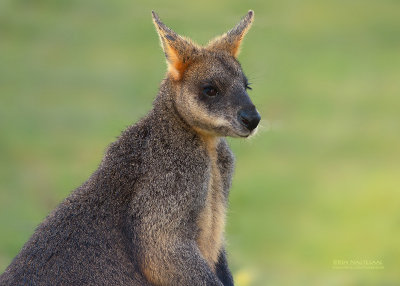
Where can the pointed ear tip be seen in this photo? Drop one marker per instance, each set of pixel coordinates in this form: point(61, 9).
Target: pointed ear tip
point(250, 14)
point(155, 16)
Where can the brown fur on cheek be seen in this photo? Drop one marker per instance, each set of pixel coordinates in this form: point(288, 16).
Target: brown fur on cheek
point(196, 115)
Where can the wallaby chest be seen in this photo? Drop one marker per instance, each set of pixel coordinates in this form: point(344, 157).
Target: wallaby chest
point(211, 221)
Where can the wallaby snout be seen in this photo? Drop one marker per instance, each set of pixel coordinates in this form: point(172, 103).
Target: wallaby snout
point(249, 118)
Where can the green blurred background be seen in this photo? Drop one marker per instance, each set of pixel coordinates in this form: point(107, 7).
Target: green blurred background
point(319, 183)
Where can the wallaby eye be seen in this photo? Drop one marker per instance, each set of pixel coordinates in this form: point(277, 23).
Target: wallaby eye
point(209, 90)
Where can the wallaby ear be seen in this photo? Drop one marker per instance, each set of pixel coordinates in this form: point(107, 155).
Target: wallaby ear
point(177, 49)
point(230, 42)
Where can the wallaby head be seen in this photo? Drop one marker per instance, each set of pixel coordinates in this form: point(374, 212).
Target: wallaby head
point(209, 86)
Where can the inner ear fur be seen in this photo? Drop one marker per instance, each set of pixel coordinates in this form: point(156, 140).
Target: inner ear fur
point(178, 50)
point(230, 41)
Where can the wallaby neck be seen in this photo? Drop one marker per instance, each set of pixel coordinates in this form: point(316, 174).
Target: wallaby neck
point(164, 107)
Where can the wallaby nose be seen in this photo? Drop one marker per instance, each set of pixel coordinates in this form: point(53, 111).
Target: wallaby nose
point(249, 118)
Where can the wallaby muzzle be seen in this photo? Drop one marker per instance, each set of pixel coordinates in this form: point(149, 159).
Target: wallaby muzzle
point(249, 118)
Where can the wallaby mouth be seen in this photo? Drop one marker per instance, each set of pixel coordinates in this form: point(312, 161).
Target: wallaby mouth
point(249, 118)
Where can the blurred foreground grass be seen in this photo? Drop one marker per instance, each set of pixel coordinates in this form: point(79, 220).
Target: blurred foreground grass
point(319, 183)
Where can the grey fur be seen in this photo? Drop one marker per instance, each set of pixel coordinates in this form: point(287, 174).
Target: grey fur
point(137, 215)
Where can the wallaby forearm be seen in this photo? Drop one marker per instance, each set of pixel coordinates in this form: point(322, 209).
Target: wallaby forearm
point(222, 270)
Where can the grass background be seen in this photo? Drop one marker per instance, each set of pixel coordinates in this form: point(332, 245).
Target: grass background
point(319, 183)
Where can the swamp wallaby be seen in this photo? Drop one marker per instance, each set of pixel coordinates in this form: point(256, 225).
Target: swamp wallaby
point(153, 213)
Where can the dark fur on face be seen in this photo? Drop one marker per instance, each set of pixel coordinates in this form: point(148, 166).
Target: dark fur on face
point(215, 114)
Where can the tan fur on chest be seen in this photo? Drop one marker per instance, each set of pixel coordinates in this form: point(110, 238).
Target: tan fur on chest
point(211, 222)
